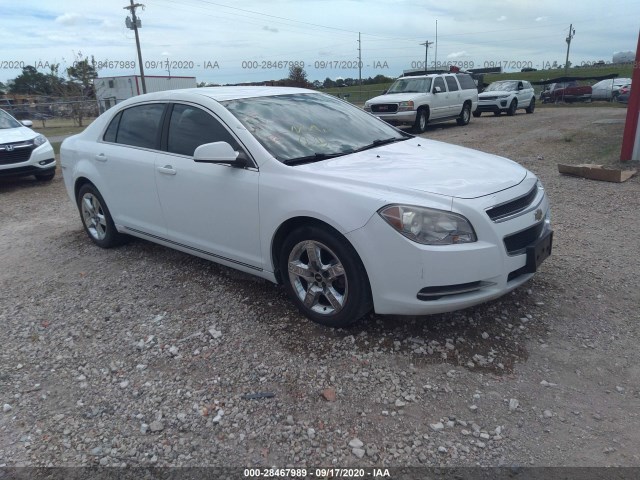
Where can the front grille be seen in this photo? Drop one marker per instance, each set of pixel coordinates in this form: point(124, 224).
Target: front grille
point(435, 293)
point(514, 206)
point(487, 98)
point(518, 242)
point(384, 108)
point(15, 152)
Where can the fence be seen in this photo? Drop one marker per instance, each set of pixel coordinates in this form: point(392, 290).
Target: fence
point(45, 108)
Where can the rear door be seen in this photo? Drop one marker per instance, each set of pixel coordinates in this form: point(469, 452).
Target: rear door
point(455, 95)
point(125, 162)
point(439, 100)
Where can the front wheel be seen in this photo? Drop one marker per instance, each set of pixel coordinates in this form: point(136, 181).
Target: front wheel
point(422, 118)
point(477, 113)
point(465, 115)
point(531, 107)
point(512, 108)
point(324, 276)
point(96, 218)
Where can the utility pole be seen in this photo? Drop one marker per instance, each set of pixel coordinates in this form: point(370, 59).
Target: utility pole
point(426, 54)
point(572, 32)
point(134, 27)
point(436, 60)
point(359, 60)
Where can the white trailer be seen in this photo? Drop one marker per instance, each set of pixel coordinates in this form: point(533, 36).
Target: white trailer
point(113, 90)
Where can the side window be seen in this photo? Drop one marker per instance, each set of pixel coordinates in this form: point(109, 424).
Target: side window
point(112, 130)
point(191, 127)
point(439, 82)
point(451, 83)
point(466, 82)
point(139, 126)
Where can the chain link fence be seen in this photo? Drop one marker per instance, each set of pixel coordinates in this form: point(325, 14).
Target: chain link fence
point(42, 109)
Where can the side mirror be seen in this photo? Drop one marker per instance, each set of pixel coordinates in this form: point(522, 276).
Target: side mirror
point(27, 123)
point(437, 90)
point(220, 153)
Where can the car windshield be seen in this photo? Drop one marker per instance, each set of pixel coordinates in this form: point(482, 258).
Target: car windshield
point(502, 87)
point(7, 121)
point(308, 127)
point(410, 85)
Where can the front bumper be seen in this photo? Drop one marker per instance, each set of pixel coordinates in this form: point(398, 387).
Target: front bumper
point(408, 278)
point(41, 161)
point(492, 105)
point(398, 117)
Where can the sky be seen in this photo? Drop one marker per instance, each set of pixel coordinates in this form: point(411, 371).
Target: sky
point(227, 41)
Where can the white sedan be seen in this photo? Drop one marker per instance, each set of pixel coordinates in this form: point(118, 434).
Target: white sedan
point(303, 189)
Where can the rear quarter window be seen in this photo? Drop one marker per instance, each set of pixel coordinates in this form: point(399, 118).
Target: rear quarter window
point(466, 82)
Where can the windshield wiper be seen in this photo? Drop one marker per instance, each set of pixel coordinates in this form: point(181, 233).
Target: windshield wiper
point(316, 157)
point(377, 143)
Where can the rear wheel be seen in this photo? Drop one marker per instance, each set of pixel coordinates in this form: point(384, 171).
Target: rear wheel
point(497, 113)
point(465, 115)
point(422, 118)
point(324, 276)
point(96, 218)
point(531, 107)
point(512, 108)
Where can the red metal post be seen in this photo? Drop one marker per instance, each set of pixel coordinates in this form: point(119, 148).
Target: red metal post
point(630, 139)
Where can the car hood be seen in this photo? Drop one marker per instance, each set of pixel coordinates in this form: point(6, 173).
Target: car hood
point(395, 97)
point(19, 134)
point(426, 166)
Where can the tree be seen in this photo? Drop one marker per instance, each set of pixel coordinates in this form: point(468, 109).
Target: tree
point(328, 83)
point(3, 89)
point(30, 81)
point(297, 77)
point(83, 71)
point(79, 88)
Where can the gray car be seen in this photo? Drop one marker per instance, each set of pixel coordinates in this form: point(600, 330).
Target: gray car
point(608, 89)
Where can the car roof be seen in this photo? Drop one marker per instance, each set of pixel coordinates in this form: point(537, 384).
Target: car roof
point(225, 93)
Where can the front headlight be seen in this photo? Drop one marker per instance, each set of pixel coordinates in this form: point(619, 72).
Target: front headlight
point(367, 106)
point(405, 106)
point(429, 226)
point(39, 140)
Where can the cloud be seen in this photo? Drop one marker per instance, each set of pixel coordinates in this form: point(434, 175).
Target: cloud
point(541, 19)
point(270, 29)
point(462, 53)
point(501, 18)
point(69, 18)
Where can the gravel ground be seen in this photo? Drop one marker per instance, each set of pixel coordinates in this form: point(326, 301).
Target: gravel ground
point(144, 356)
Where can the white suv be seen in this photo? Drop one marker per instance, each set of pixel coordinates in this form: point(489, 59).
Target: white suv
point(418, 100)
point(23, 151)
point(506, 96)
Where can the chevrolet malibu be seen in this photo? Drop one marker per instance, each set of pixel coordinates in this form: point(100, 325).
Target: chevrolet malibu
point(305, 190)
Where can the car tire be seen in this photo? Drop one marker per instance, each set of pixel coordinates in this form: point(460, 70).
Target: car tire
point(497, 113)
point(477, 113)
point(422, 119)
point(324, 276)
point(511, 111)
point(96, 218)
point(531, 107)
point(45, 177)
point(465, 115)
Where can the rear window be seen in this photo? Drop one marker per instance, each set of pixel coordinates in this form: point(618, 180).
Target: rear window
point(466, 82)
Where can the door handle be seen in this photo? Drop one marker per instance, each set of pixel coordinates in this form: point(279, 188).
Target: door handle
point(167, 170)
point(101, 157)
